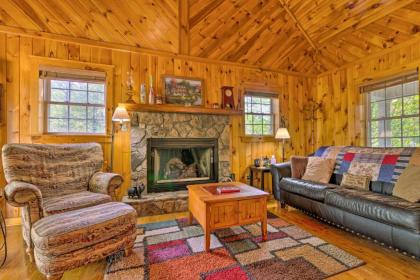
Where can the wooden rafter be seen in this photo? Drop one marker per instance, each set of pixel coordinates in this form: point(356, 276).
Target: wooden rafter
point(302, 30)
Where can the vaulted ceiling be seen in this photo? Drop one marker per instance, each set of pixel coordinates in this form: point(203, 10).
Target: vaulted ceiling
point(309, 36)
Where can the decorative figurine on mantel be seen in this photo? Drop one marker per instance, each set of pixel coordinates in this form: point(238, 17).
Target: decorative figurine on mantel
point(135, 192)
point(143, 94)
point(130, 87)
point(151, 91)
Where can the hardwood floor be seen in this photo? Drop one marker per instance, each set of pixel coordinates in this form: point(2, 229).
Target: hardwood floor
point(381, 263)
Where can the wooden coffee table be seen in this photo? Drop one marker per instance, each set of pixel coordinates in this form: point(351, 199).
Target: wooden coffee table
point(214, 211)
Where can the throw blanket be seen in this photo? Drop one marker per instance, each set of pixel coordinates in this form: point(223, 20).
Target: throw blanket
point(382, 164)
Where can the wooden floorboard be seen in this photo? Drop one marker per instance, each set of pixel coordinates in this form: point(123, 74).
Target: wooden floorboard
point(381, 263)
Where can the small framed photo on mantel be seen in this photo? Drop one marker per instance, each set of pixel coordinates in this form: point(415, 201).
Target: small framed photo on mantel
point(184, 91)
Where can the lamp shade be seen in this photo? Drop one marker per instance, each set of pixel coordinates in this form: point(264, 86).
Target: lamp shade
point(120, 115)
point(282, 133)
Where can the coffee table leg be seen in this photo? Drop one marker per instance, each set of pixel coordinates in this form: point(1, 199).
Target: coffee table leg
point(190, 218)
point(207, 241)
point(264, 229)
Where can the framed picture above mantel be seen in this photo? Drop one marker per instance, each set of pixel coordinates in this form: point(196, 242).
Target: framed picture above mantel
point(184, 91)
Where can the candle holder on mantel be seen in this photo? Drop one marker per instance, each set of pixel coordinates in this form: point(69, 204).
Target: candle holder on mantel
point(130, 88)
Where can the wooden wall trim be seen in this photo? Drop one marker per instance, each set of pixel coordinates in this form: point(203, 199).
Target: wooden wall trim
point(127, 48)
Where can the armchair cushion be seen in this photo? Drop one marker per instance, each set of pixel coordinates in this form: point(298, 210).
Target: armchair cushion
point(19, 194)
point(106, 183)
point(74, 201)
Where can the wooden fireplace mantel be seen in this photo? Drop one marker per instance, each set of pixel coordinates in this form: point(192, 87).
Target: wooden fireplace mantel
point(167, 108)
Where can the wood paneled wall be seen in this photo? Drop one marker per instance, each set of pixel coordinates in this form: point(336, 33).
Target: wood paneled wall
point(16, 52)
point(341, 120)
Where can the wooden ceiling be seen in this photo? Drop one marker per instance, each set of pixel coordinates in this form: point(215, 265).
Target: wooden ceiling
point(309, 36)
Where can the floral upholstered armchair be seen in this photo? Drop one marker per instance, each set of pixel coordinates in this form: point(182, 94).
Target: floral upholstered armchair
point(50, 179)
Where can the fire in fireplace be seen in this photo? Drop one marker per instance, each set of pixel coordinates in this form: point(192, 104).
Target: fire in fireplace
point(173, 163)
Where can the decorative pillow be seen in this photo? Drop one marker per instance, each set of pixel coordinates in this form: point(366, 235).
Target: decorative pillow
point(408, 185)
point(298, 166)
point(319, 169)
point(355, 181)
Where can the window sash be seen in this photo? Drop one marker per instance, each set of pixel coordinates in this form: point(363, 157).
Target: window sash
point(261, 114)
point(385, 138)
point(48, 102)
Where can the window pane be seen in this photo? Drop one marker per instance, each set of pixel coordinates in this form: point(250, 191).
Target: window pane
point(59, 84)
point(96, 87)
point(256, 99)
point(377, 142)
point(266, 109)
point(59, 95)
point(393, 142)
point(411, 105)
point(393, 128)
point(248, 119)
point(257, 129)
point(77, 96)
point(77, 126)
point(393, 92)
point(377, 129)
point(248, 108)
point(394, 107)
point(257, 119)
point(248, 129)
point(411, 88)
point(78, 112)
point(57, 125)
point(377, 95)
point(411, 126)
point(58, 111)
point(266, 101)
point(377, 110)
point(97, 113)
point(267, 120)
point(96, 98)
point(256, 108)
point(411, 142)
point(78, 86)
point(96, 126)
point(267, 130)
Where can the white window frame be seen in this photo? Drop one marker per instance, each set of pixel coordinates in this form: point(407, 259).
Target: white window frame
point(48, 102)
point(271, 114)
point(387, 118)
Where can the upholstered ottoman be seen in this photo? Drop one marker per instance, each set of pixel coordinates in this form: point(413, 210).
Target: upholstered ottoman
point(72, 239)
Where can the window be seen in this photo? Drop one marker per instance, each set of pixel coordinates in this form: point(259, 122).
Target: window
point(74, 103)
point(259, 117)
point(393, 112)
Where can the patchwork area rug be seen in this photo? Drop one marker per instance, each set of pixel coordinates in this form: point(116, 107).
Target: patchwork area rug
point(175, 250)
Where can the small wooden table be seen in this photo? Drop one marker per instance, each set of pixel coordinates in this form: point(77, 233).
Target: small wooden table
point(261, 169)
point(214, 211)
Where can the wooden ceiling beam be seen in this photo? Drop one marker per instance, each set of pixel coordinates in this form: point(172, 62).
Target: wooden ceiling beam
point(299, 26)
point(184, 27)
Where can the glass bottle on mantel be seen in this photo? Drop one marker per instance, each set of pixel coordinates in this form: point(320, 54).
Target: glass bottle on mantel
point(151, 92)
point(142, 94)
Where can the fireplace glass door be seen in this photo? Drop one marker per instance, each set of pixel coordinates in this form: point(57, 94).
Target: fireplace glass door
point(176, 162)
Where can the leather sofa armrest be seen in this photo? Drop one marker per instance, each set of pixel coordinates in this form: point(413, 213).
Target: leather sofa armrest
point(106, 183)
point(278, 172)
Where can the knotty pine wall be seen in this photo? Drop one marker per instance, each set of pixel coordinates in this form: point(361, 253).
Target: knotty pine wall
point(16, 51)
point(341, 120)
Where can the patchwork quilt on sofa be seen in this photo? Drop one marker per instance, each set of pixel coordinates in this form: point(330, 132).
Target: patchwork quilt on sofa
point(382, 164)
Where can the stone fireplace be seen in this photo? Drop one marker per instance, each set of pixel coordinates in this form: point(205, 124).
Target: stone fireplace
point(201, 149)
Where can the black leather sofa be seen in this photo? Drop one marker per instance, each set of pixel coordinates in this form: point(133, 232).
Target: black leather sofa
point(375, 214)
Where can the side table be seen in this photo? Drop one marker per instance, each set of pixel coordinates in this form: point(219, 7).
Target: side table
point(263, 170)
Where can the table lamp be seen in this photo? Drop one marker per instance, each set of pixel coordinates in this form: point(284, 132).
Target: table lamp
point(282, 134)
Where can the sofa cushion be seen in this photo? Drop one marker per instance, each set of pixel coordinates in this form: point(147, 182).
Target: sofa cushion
point(408, 185)
point(69, 202)
point(383, 208)
point(298, 166)
point(355, 181)
point(319, 169)
point(304, 188)
point(67, 232)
